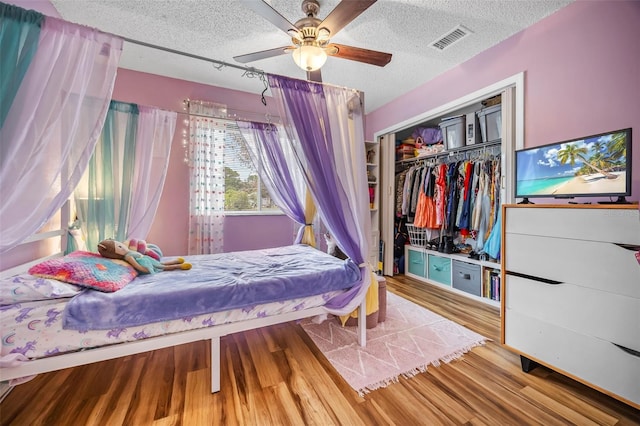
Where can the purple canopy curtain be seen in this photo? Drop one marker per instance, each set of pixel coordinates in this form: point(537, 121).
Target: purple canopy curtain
point(325, 127)
point(273, 158)
point(53, 125)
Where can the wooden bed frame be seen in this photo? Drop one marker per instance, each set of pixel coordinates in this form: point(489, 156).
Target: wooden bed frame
point(213, 333)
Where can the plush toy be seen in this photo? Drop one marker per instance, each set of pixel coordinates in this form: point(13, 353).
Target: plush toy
point(144, 264)
point(141, 246)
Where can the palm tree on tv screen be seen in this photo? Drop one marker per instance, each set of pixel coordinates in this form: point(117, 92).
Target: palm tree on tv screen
point(571, 152)
point(617, 147)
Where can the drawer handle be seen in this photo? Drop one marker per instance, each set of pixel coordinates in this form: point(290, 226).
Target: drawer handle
point(437, 268)
point(465, 276)
point(531, 277)
point(629, 350)
point(628, 246)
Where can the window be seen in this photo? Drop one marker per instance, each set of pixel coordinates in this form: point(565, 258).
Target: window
point(236, 185)
point(243, 189)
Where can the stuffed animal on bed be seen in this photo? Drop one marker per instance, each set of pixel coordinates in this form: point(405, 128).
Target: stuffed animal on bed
point(144, 264)
point(141, 246)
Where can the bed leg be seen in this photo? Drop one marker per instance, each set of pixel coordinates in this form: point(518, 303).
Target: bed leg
point(215, 364)
point(362, 323)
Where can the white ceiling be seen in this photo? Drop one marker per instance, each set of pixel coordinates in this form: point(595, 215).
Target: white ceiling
point(222, 29)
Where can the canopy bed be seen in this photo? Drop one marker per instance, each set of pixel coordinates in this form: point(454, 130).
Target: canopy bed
point(53, 324)
point(325, 150)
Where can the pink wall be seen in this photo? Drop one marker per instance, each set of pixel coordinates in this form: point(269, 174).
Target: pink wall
point(43, 6)
point(170, 227)
point(582, 77)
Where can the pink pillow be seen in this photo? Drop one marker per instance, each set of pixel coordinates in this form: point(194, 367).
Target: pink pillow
point(87, 269)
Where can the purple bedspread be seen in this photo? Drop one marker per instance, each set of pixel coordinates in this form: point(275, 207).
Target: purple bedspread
point(217, 282)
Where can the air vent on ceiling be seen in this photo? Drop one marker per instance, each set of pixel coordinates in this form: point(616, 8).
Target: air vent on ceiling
point(450, 38)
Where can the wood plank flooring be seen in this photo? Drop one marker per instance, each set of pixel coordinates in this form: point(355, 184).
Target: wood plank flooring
point(276, 376)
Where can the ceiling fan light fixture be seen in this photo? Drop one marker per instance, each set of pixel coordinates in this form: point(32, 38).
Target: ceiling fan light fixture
point(323, 34)
point(309, 57)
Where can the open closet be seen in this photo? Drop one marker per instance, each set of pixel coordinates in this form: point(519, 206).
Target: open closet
point(449, 197)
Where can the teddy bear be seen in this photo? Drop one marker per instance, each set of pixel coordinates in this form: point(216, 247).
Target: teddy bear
point(144, 264)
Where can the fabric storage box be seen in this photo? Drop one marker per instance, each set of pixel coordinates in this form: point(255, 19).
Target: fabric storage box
point(440, 269)
point(416, 263)
point(490, 119)
point(466, 277)
point(453, 133)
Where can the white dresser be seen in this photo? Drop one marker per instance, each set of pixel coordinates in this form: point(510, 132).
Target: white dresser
point(571, 292)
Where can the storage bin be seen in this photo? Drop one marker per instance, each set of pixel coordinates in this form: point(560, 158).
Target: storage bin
point(453, 133)
point(440, 269)
point(466, 277)
point(490, 119)
point(416, 263)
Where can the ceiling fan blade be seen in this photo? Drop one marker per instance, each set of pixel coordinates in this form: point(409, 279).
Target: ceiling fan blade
point(264, 54)
point(314, 76)
point(263, 9)
point(345, 12)
point(358, 54)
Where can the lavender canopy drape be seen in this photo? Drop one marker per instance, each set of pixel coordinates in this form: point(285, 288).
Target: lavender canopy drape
point(52, 126)
point(324, 124)
point(273, 158)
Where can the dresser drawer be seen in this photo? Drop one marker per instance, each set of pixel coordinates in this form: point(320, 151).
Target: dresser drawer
point(597, 265)
point(606, 316)
point(439, 269)
point(587, 358)
point(467, 277)
point(592, 224)
point(416, 263)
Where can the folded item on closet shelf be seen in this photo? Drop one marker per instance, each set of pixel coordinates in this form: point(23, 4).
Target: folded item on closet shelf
point(429, 135)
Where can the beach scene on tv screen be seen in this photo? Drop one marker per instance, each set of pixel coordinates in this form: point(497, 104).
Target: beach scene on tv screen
point(595, 165)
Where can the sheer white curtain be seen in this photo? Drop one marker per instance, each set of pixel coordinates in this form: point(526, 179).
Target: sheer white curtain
point(207, 174)
point(53, 124)
point(119, 193)
point(153, 144)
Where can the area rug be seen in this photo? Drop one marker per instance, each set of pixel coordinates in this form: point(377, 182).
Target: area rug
point(405, 344)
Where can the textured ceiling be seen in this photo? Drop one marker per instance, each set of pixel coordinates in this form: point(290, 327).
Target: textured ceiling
point(222, 29)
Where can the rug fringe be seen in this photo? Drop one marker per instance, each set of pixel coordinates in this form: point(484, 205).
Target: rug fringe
point(420, 369)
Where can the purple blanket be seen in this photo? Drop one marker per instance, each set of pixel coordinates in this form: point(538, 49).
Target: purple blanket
point(217, 282)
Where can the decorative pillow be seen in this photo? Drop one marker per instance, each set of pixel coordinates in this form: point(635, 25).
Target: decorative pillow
point(87, 270)
point(27, 288)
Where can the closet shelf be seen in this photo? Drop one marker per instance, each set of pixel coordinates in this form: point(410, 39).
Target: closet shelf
point(451, 152)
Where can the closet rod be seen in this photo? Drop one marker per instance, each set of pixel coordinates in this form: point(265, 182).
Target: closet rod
point(248, 70)
point(454, 151)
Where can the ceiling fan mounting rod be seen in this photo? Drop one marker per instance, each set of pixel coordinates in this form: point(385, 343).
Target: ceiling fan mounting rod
point(310, 8)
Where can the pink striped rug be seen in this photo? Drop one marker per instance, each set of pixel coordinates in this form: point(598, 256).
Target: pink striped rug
point(405, 344)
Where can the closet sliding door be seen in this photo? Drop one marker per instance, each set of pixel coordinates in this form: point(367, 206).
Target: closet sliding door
point(387, 198)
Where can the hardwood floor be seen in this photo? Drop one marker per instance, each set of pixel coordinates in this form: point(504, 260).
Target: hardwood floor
point(276, 376)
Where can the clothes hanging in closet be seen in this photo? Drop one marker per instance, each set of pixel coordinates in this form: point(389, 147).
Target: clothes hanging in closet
point(457, 197)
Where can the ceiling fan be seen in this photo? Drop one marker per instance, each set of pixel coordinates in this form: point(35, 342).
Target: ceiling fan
point(311, 37)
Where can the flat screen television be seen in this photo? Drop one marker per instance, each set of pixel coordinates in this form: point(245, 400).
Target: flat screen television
point(592, 166)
